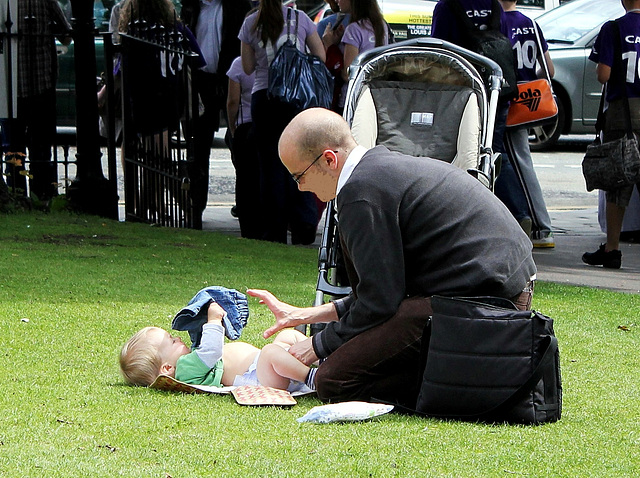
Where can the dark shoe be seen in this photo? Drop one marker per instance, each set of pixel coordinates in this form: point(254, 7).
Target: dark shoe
point(610, 260)
point(526, 224)
point(234, 211)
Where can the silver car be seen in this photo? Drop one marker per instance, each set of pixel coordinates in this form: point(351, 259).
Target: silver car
point(570, 30)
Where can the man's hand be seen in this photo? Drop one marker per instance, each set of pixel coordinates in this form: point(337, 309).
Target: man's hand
point(215, 313)
point(304, 352)
point(282, 312)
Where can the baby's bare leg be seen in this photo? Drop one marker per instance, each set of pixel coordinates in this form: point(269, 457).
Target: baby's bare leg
point(276, 367)
point(288, 337)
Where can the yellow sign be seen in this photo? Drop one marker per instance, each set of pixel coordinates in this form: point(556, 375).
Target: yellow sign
point(409, 18)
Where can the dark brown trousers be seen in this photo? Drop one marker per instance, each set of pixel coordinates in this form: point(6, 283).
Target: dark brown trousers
point(384, 362)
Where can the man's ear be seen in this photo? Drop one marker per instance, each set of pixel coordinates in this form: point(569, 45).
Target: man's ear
point(167, 369)
point(331, 158)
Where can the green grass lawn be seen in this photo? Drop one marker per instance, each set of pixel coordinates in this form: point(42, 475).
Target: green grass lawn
point(74, 288)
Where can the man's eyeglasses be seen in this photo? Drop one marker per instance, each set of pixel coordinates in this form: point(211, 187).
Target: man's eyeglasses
point(298, 177)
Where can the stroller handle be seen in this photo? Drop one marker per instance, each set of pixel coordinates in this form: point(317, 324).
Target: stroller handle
point(475, 58)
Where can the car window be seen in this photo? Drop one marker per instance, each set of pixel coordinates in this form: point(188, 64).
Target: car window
point(572, 21)
point(531, 3)
point(544, 4)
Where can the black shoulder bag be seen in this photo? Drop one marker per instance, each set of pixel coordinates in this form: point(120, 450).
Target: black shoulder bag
point(488, 361)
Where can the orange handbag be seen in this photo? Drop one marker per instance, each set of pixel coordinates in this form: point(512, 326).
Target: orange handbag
point(534, 105)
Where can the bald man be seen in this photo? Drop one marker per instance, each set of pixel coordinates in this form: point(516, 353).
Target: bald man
point(410, 228)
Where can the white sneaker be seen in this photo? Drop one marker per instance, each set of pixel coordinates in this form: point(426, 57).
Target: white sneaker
point(544, 242)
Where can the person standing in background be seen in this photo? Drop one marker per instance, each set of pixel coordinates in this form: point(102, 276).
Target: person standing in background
point(244, 153)
point(40, 22)
point(216, 24)
point(608, 254)
point(331, 29)
point(519, 29)
point(367, 30)
point(283, 206)
point(447, 26)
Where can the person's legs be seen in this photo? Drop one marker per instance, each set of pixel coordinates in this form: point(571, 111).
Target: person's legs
point(270, 118)
point(247, 181)
point(14, 141)
point(206, 126)
point(382, 363)
point(303, 213)
point(517, 145)
point(39, 113)
point(507, 186)
point(615, 216)
point(608, 255)
point(509, 191)
point(276, 367)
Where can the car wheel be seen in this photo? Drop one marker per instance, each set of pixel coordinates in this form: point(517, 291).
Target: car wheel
point(542, 138)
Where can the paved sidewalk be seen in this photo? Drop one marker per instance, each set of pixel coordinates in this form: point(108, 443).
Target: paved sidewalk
point(576, 231)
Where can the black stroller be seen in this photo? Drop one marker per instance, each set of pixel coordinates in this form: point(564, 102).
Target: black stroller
point(422, 97)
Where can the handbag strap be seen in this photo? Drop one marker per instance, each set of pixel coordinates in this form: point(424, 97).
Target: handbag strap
point(547, 358)
point(527, 386)
point(543, 60)
point(295, 31)
point(288, 23)
point(600, 117)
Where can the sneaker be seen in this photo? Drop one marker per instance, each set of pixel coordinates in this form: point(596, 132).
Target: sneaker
point(546, 241)
point(610, 260)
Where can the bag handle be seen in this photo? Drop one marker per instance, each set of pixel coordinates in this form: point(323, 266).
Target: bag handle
point(543, 60)
point(288, 24)
point(295, 31)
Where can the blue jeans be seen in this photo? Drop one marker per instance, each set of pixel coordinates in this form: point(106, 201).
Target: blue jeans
point(508, 188)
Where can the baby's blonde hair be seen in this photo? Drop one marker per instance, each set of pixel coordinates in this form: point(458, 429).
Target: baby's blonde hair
point(140, 361)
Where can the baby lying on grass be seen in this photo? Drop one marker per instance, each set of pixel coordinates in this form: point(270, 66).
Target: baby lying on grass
point(153, 351)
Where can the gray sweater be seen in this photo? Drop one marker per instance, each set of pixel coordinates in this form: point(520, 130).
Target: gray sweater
point(421, 227)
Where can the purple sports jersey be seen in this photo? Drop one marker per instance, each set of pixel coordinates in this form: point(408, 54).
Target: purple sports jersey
point(519, 29)
point(445, 23)
point(602, 52)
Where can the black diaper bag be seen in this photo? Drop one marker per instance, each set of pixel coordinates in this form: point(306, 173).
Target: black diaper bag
point(488, 361)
